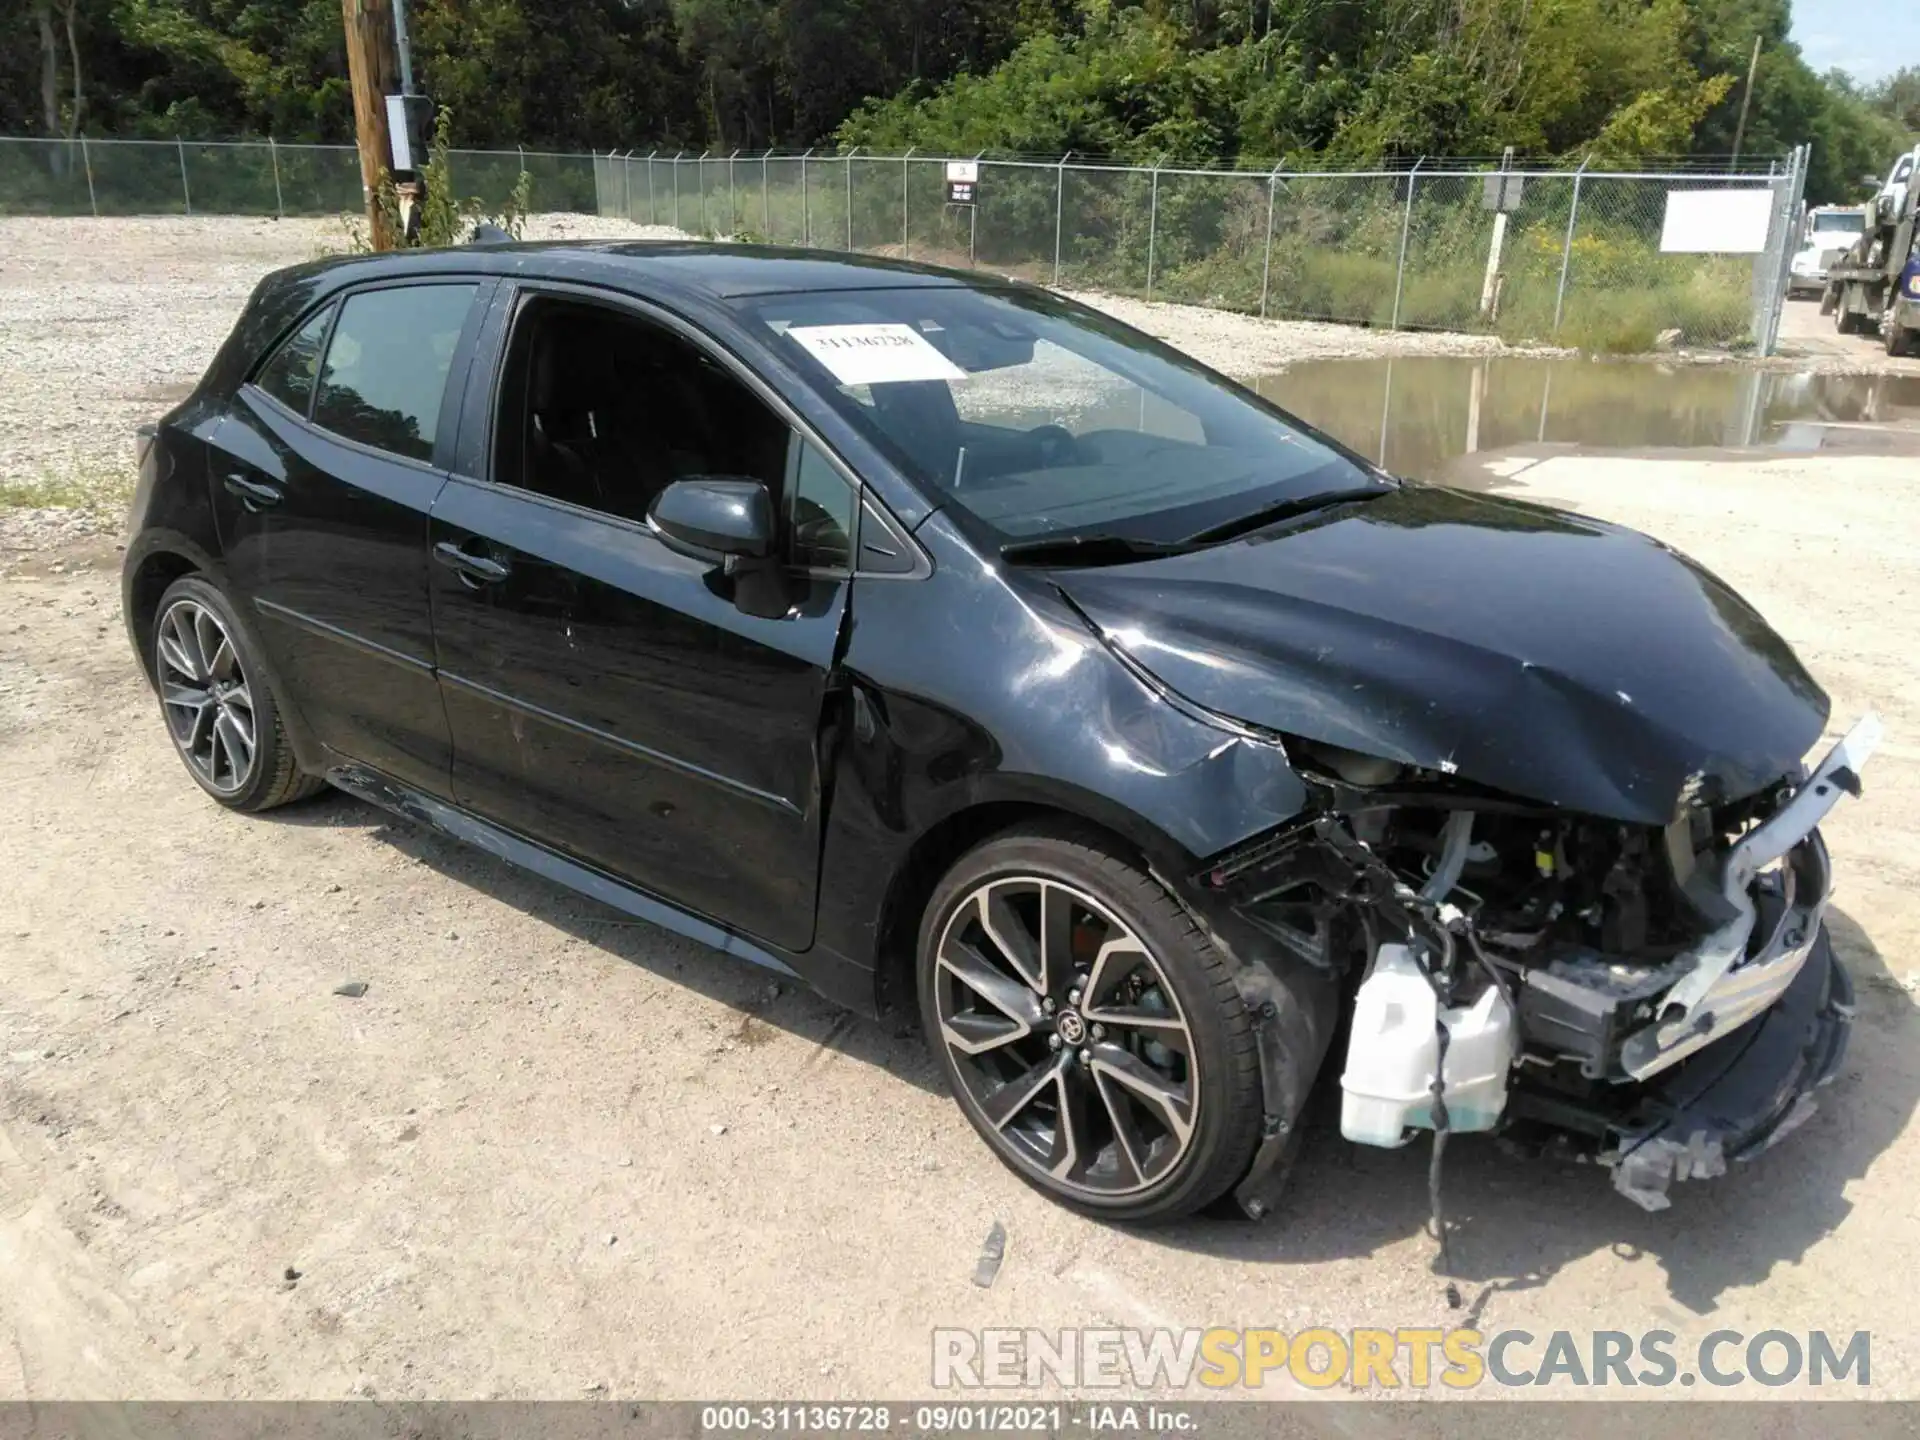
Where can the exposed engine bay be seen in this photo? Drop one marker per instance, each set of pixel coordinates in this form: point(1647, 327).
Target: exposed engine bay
point(1515, 967)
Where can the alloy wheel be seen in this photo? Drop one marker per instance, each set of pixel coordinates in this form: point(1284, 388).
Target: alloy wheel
point(206, 695)
point(1067, 1036)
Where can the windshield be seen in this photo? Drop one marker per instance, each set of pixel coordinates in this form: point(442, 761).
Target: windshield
point(1848, 222)
point(1045, 421)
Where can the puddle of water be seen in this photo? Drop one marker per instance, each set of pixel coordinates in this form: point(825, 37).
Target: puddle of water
point(1417, 416)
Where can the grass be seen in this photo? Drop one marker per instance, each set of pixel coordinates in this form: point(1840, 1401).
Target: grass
point(95, 489)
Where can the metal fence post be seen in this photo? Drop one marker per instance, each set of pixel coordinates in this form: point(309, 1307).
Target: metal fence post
point(973, 217)
point(279, 201)
point(906, 243)
point(1406, 229)
point(766, 202)
point(733, 205)
point(806, 202)
point(1794, 191)
point(1266, 262)
point(186, 192)
point(86, 162)
point(1059, 210)
point(705, 228)
point(653, 217)
point(850, 154)
point(1153, 223)
point(1566, 251)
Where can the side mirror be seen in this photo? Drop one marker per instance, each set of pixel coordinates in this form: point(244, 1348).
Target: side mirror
point(715, 517)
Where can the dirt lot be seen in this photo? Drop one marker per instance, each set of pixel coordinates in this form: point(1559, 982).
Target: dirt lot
point(554, 1153)
point(1807, 335)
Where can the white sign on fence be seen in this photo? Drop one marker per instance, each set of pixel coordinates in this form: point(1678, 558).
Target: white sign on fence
point(1717, 222)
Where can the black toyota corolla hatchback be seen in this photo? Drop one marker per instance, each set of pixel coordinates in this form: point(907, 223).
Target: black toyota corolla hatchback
point(952, 647)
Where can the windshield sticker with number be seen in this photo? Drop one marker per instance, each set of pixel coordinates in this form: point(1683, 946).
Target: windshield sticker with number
point(875, 354)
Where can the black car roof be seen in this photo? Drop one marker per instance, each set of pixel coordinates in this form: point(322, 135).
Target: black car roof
point(712, 270)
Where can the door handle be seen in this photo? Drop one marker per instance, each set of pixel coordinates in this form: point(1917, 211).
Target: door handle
point(254, 494)
point(471, 568)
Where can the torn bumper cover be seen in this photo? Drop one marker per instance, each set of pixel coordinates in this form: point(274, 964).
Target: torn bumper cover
point(1772, 919)
point(1761, 1020)
point(1736, 1097)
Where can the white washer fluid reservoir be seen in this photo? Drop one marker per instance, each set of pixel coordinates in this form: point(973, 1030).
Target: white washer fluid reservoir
point(1393, 1051)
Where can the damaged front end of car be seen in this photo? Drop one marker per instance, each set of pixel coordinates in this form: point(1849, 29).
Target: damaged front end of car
point(1558, 857)
point(1661, 1000)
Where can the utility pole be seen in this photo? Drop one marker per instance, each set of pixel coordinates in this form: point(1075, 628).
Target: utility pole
point(371, 66)
point(1746, 99)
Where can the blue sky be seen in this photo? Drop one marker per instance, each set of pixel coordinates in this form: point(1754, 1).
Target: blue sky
point(1839, 33)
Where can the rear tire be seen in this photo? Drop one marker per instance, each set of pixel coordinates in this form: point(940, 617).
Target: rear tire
point(219, 707)
point(1088, 1028)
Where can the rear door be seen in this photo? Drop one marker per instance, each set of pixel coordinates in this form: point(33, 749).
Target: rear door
point(323, 473)
point(607, 696)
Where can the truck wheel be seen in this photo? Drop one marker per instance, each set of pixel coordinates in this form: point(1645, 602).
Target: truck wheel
point(1894, 334)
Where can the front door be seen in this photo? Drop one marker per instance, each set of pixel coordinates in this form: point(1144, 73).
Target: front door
point(324, 472)
point(607, 696)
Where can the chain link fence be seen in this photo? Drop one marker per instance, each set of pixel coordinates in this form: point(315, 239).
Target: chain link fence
point(1563, 255)
point(1572, 256)
point(249, 177)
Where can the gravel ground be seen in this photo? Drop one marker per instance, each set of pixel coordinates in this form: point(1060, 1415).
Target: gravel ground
point(1247, 345)
point(1809, 341)
point(551, 1152)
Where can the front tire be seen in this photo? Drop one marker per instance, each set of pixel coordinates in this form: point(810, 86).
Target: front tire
point(1090, 1031)
point(1893, 335)
point(219, 707)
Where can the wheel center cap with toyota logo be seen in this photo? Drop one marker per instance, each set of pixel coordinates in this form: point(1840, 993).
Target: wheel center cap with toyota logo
point(1071, 1027)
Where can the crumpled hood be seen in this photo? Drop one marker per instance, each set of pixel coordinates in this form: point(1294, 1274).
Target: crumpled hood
point(1546, 654)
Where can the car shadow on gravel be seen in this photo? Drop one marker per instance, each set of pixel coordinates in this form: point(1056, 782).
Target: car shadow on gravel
point(761, 997)
point(1514, 1222)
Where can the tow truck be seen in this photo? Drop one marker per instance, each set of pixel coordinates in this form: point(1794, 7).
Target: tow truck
point(1877, 282)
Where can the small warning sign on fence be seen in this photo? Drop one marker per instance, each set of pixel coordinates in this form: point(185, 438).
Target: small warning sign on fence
point(963, 179)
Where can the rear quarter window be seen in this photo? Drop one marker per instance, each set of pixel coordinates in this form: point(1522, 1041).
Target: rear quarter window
point(289, 373)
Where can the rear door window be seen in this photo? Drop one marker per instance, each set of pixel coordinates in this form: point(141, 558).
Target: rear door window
point(289, 375)
point(386, 369)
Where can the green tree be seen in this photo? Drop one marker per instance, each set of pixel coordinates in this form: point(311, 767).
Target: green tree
point(1185, 80)
point(1898, 98)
